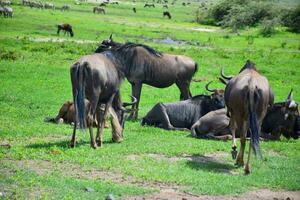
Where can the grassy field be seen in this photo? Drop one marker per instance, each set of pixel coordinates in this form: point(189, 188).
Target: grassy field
point(34, 82)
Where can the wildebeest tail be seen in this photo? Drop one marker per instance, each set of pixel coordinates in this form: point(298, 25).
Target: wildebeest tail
point(80, 95)
point(253, 98)
point(196, 68)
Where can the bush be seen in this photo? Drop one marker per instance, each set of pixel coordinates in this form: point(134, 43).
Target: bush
point(268, 27)
point(291, 19)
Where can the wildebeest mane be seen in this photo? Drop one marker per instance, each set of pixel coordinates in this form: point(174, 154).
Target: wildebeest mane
point(129, 45)
point(249, 65)
point(195, 99)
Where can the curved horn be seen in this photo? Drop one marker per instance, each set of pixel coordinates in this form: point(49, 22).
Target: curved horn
point(206, 87)
point(290, 96)
point(125, 104)
point(223, 76)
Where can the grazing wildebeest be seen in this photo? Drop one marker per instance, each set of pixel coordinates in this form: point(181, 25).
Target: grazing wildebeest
point(247, 97)
point(49, 6)
point(65, 7)
point(8, 11)
point(134, 9)
point(149, 5)
point(98, 78)
point(2, 11)
point(146, 65)
point(99, 10)
point(66, 28)
point(166, 13)
point(183, 114)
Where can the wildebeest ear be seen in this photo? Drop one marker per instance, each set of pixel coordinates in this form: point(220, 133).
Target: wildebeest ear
point(290, 96)
point(110, 37)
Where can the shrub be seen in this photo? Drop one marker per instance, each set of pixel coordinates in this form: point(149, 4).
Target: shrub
point(268, 27)
point(291, 19)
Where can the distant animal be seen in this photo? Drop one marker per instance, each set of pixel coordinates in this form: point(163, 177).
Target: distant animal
point(165, 6)
point(183, 114)
point(183, 3)
point(6, 11)
point(247, 97)
point(97, 78)
point(67, 28)
point(65, 7)
point(25, 2)
point(149, 5)
point(5, 3)
point(145, 65)
point(115, 2)
point(99, 10)
point(134, 9)
point(102, 5)
point(49, 6)
point(166, 13)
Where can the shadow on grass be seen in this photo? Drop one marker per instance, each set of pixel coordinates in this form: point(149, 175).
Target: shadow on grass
point(210, 164)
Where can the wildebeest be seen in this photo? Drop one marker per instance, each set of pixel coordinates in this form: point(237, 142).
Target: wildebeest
point(7, 11)
point(134, 9)
point(166, 13)
point(102, 5)
point(67, 28)
point(146, 65)
point(99, 10)
point(98, 78)
point(281, 118)
point(183, 114)
point(165, 6)
point(5, 3)
point(149, 5)
point(49, 6)
point(247, 97)
point(115, 2)
point(65, 7)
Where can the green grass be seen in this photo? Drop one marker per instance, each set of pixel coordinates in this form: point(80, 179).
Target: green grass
point(34, 80)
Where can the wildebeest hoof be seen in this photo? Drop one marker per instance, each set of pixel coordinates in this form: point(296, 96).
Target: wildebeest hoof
point(247, 170)
point(94, 146)
point(72, 145)
point(60, 121)
point(117, 140)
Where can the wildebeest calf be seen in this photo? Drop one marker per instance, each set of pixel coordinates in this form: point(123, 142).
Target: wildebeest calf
point(67, 28)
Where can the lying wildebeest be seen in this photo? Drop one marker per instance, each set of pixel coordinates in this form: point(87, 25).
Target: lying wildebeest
point(67, 28)
point(149, 5)
point(98, 78)
point(134, 9)
point(49, 6)
point(247, 97)
point(183, 114)
point(145, 65)
point(166, 13)
point(99, 10)
point(281, 118)
point(65, 7)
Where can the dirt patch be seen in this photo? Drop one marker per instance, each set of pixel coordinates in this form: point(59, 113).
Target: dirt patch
point(202, 29)
point(60, 40)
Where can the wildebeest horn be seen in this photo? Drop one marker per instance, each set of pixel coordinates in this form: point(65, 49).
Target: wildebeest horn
point(223, 76)
point(206, 87)
point(125, 104)
point(223, 81)
point(110, 37)
point(290, 96)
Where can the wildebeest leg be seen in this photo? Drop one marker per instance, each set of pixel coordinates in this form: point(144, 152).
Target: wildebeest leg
point(58, 30)
point(90, 120)
point(247, 167)
point(233, 127)
point(73, 140)
point(101, 116)
point(136, 89)
point(242, 132)
point(184, 90)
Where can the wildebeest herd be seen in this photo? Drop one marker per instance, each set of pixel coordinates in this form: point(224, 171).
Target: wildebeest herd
point(244, 109)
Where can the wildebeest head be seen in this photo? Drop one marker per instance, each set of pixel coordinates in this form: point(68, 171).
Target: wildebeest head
point(63, 111)
point(217, 96)
point(121, 113)
point(291, 115)
point(107, 45)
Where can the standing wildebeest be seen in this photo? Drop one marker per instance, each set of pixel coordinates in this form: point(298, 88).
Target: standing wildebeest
point(98, 78)
point(8, 11)
point(149, 5)
point(49, 6)
point(145, 65)
point(247, 97)
point(65, 7)
point(99, 10)
point(134, 9)
point(66, 28)
point(183, 114)
point(166, 13)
